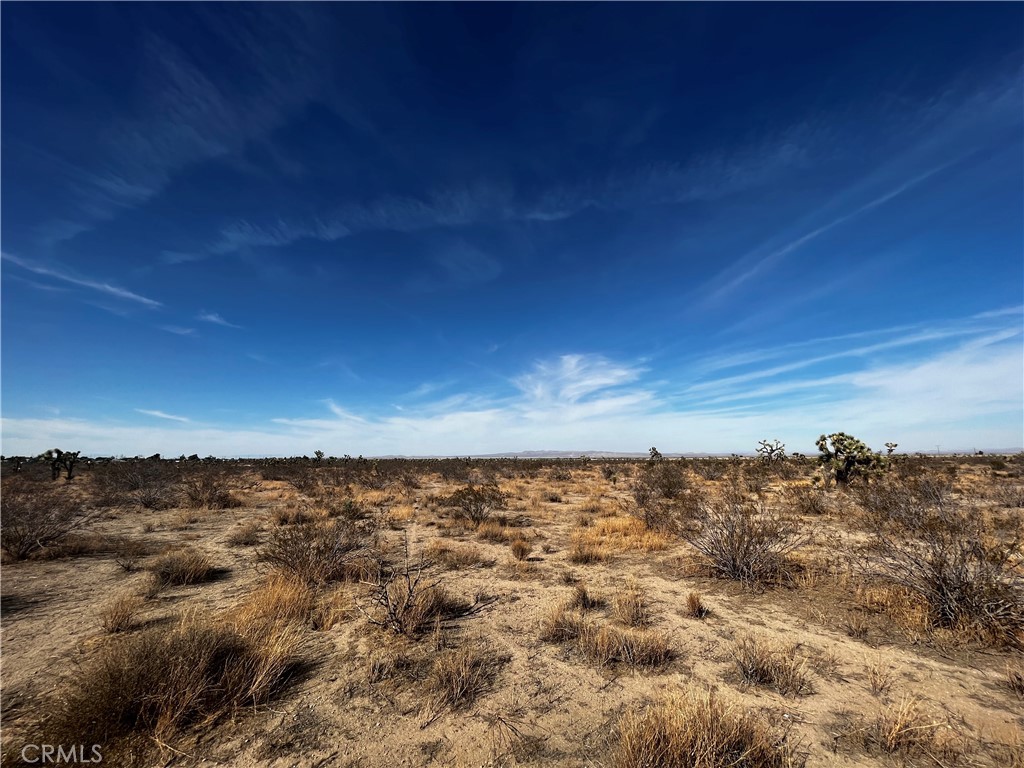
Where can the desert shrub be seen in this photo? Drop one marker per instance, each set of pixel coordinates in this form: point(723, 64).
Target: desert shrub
point(744, 543)
point(458, 677)
point(455, 556)
point(561, 624)
point(695, 606)
point(403, 602)
point(583, 552)
point(159, 681)
point(907, 731)
point(521, 549)
point(128, 553)
point(583, 600)
point(118, 615)
point(291, 515)
point(282, 597)
point(1014, 678)
point(710, 469)
point(781, 669)
point(148, 484)
point(630, 606)
point(319, 552)
point(969, 576)
point(34, 517)
point(492, 530)
point(697, 729)
point(475, 503)
point(180, 567)
point(659, 479)
point(247, 535)
point(809, 501)
point(208, 490)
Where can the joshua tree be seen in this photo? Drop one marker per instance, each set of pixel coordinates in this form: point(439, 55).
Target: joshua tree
point(656, 454)
point(847, 458)
point(771, 452)
point(59, 460)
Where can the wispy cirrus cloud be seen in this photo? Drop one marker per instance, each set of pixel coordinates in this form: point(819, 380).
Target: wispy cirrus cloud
point(66, 275)
point(161, 415)
point(215, 318)
point(962, 391)
point(178, 330)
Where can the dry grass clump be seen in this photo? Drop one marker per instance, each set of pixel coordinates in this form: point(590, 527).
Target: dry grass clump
point(631, 607)
point(119, 614)
point(155, 683)
point(605, 644)
point(453, 556)
point(582, 553)
point(1014, 678)
point(291, 515)
point(695, 606)
point(696, 729)
point(624, 534)
point(458, 677)
point(906, 731)
point(780, 669)
point(247, 535)
point(317, 553)
point(282, 597)
point(583, 600)
point(747, 544)
point(494, 531)
point(521, 549)
point(180, 567)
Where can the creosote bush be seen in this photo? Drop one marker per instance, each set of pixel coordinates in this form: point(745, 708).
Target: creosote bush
point(971, 577)
point(33, 517)
point(697, 729)
point(746, 543)
point(475, 503)
point(316, 553)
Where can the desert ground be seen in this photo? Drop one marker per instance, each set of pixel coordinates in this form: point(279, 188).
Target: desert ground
point(662, 612)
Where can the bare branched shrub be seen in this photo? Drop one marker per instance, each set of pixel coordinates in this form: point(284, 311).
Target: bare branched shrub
point(475, 503)
point(320, 552)
point(148, 484)
point(698, 729)
point(747, 544)
point(405, 603)
point(781, 669)
point(208, 490)
point(971, 577)
point(159, 681)
point(33, 517)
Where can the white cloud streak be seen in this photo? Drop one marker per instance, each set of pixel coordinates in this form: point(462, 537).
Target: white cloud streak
point(215, 318)
point(68, 276)
point(162, 415)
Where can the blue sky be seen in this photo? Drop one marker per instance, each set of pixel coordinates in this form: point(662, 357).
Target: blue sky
point(259, 229)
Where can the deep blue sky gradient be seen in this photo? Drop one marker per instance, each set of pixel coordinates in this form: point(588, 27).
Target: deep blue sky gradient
point(269, 228)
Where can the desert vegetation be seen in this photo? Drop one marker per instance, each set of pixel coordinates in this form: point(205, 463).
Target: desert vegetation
point(854, 608)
